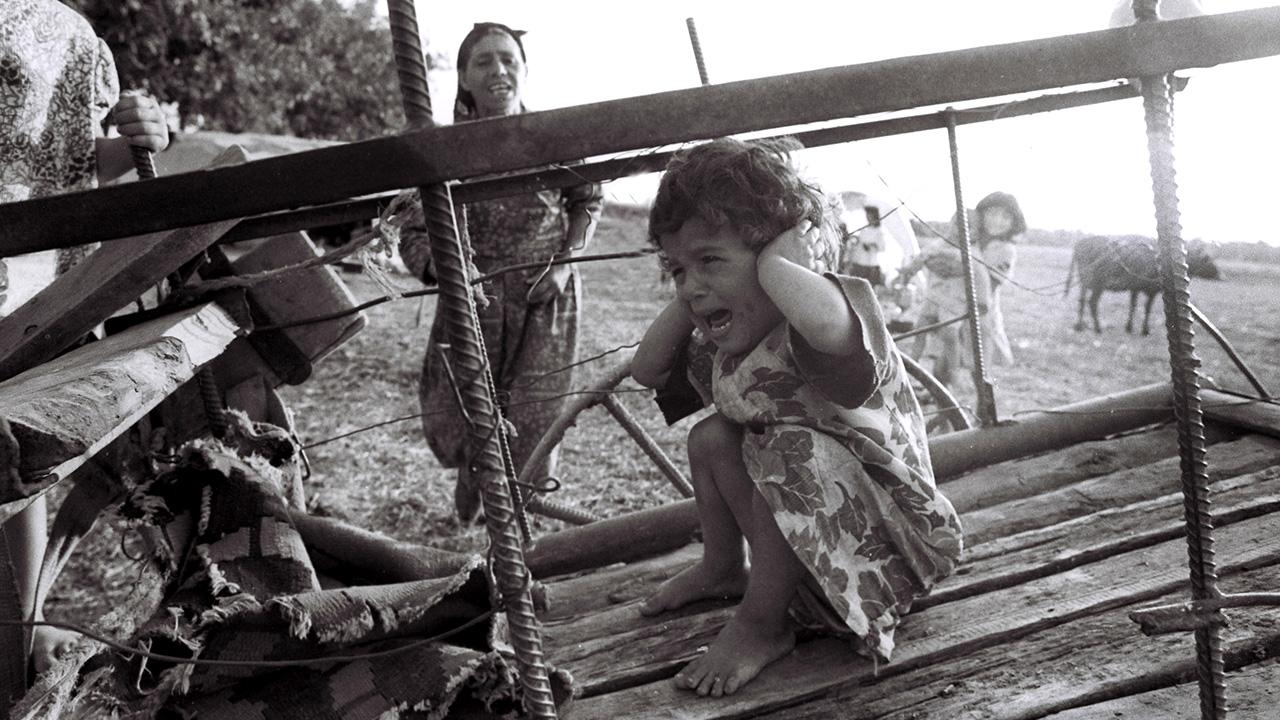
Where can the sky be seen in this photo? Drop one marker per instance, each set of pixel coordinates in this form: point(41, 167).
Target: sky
point(1078, 169)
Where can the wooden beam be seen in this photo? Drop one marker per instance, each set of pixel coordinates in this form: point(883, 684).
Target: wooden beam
point(604, 170)
point(99, 286)
point(1077, 665)
point(63, 412)
point(527, 140)
point(926, 638)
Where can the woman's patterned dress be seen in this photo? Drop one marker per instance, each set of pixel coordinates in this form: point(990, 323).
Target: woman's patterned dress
point(526, 344)
point(836, 445)
point(57, 83)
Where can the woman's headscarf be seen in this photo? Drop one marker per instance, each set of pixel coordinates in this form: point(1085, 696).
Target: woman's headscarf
point(464, 108)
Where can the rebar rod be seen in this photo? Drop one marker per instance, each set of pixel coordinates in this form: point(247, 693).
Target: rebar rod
point(697, 51)
point(985, 393)
point(1184, 366)
point(458, 312)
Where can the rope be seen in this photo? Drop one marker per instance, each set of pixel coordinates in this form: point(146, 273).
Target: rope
point(458, 312)
point(1184, 364)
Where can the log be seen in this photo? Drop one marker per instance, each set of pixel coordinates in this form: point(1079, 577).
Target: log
point(103, 283)
point(926, 638)
point(1028, 477)
point(1260, 416)
point(63, 412)
point(528, 140)
point(1248, 454)
point(635, 535)
point(360, 556)
point(665, 528)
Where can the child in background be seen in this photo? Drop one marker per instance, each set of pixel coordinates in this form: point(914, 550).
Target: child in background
point(816, 452)
point(999, 228)
point(862, 249)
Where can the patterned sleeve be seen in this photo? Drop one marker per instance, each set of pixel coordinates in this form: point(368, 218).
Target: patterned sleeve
point(688, 387)
point(849, 380)
point(106, 83)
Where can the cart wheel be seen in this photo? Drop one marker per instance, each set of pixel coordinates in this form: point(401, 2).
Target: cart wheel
point(600, 394)
point(950, 414)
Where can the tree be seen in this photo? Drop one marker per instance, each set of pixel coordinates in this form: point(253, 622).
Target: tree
point(311, 68)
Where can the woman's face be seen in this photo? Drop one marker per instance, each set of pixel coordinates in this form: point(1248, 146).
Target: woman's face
point(494, 75)
point(997, 221)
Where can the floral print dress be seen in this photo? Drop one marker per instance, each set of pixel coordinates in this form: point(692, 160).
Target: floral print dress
point(57, 83)
point(836, 445)
point(529, 346)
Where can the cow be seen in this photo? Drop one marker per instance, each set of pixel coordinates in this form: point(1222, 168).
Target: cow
point(1126, 264)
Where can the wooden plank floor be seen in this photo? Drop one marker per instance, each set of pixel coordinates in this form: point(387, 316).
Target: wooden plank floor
point(1034, 624)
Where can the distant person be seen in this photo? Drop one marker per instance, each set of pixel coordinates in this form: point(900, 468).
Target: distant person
point(999, 229)
point(863, 247)
point(942, 351)
point(60, 84)
point(813, 408)
point(530, 323)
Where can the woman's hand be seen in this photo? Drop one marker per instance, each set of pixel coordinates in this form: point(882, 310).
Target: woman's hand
point(797, 244)
point(547, 286)
point(141, 121)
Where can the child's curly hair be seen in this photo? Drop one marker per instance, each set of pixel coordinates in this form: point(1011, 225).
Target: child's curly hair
point(750, 186)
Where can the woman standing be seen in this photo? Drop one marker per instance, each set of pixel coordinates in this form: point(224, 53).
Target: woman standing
point(530, 322)
point(58, 83)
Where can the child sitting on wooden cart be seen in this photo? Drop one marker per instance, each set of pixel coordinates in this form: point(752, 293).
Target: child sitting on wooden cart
point(816, 452)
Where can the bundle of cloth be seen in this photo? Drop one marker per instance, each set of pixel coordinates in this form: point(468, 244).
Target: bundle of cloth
point(236, 593)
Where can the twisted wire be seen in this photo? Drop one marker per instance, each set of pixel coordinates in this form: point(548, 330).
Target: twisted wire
point(1184, 364)
point(458, 311)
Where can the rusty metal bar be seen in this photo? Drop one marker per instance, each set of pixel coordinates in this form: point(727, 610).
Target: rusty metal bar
point(697, 51)
point(1157, 102)
point(1230, 350)
point(458, 311)
point(982, 387)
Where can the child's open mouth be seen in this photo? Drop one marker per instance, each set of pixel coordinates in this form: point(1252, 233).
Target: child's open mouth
point(718, 322)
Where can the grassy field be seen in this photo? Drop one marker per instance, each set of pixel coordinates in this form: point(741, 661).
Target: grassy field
point(386, 479)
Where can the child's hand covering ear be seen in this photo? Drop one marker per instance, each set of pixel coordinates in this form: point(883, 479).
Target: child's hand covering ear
point(798, 244)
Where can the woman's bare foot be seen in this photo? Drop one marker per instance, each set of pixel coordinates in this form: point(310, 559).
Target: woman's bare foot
point(739, 653)
point(695, 583)
point(49, 645)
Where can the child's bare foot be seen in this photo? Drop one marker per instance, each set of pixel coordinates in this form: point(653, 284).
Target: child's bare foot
point(739, 653)
point(695, 583)
point(49, 645)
